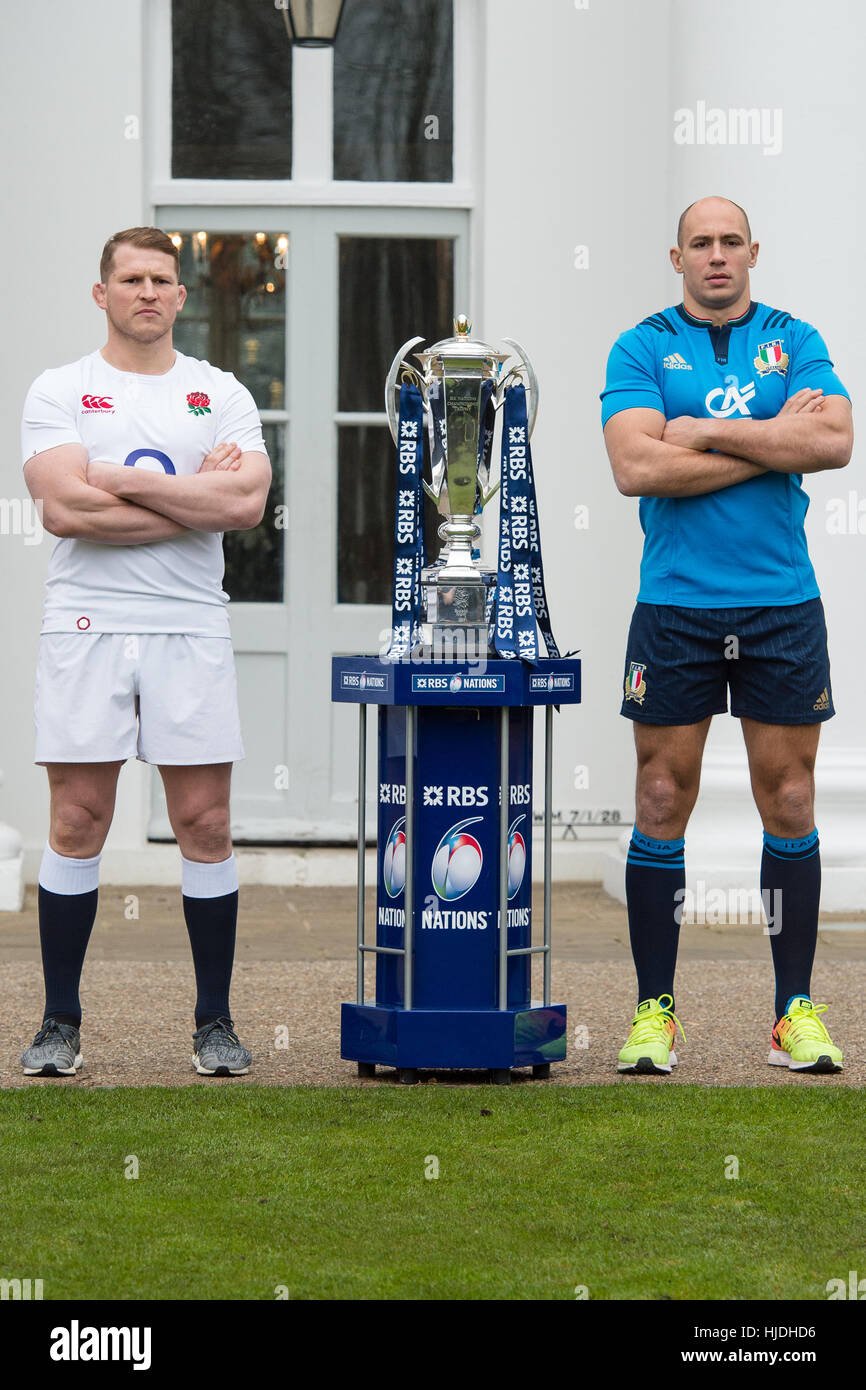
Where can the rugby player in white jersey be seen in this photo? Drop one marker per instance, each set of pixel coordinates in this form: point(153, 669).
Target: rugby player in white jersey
point(140, 458)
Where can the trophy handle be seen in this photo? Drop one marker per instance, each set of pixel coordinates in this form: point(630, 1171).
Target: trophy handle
point(532, 380)
point(488, 496)
point(391, 383)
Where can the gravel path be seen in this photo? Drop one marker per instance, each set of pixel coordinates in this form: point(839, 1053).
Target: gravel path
point(724, 1007)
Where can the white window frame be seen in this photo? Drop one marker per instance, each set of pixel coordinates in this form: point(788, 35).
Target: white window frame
point(311, 136)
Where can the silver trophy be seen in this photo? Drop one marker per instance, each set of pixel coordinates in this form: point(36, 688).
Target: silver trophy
point(457, 590)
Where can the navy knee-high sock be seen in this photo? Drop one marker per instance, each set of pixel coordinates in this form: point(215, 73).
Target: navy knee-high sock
point(655, 882)
point(68, 893)
point(210, 908)
point(791, 891)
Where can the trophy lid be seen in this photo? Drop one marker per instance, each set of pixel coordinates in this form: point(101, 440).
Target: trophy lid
point(461, 348)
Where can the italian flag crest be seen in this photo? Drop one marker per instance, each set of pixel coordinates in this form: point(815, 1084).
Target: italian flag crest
point(771, 358)
point(635, 685)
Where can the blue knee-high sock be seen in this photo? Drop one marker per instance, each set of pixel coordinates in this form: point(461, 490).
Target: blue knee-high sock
point(655, 882)
point(210, 908)
point(68, 893)
point(791, 890)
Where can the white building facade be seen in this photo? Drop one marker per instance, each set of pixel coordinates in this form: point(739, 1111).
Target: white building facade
point(553, 146)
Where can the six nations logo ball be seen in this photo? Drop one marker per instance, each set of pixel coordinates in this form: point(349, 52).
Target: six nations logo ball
point(394, 861)
point(457, 861)
point(516, 858)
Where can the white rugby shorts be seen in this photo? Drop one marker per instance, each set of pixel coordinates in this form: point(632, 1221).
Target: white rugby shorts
point(161, 697)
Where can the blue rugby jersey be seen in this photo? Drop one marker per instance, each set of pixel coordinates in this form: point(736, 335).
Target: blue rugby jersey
point(742, 546)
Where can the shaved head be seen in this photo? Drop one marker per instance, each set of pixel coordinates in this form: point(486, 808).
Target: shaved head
point(714, 254)
point(681, 225)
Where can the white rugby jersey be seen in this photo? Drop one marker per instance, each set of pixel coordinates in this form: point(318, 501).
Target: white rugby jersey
point(164, 423)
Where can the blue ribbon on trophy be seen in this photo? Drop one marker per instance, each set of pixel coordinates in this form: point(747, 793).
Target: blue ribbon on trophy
point(409, 557)
point(520, 596)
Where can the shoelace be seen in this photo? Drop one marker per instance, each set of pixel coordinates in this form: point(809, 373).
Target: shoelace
point(804, 1025)
point(49, 1026)
point(645, 1028)
point(224, 1025)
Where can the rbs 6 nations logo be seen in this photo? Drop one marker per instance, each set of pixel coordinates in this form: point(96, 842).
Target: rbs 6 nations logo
point(394, 862)
point(457, 861)
point(516, 858)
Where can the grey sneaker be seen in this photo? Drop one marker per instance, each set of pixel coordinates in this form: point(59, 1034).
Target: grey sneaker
point(218, 1051)
point(55, 1051)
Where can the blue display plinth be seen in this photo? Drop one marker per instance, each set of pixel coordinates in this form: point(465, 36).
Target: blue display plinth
point(454, 858)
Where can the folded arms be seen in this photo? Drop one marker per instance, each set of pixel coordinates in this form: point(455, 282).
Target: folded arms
point(690, 455)
point(107, 502)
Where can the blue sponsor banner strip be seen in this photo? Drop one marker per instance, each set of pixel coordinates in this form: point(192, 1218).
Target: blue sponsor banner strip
point(521, 602)
point(361, 680)
point(551, 682)
point(408, 526)
point(364, 680)
point(459, 684)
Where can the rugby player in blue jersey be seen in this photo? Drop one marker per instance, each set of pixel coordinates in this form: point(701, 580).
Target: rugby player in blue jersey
point(713, 410)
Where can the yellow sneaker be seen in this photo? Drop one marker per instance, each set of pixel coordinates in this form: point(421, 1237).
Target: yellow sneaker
point(801, 1042)
point(649, 1048)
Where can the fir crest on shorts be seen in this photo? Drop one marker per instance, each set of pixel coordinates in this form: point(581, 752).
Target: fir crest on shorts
point(635, 685)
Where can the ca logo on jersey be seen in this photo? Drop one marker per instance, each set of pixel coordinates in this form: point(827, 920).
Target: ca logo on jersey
point(732, 398)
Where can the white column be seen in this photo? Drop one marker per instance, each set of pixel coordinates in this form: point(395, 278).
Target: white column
point(312, 114)
point(798, 67)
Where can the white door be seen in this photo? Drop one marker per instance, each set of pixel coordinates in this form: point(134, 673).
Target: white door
point(307, 307)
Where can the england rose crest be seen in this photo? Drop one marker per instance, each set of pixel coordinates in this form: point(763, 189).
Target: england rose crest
point(198, 403)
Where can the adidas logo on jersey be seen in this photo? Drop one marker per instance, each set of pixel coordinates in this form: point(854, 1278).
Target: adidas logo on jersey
point(677, 360)
point(823, 700)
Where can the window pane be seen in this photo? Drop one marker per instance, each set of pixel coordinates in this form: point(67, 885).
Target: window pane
point(391, 289)
point(231, 91)
point(254, 559)
point(393, 78)
point(367, 491)
point(235, 313)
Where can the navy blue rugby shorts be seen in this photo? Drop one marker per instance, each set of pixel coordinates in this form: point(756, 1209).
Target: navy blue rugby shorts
point(680, 662)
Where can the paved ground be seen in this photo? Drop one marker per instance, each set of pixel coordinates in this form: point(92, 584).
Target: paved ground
point(295, 964)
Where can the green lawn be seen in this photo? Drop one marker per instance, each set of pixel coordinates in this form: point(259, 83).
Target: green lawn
point(621, 1189)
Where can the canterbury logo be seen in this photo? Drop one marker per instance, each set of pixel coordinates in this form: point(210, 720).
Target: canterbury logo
point(823, 700)
point(97, 403)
